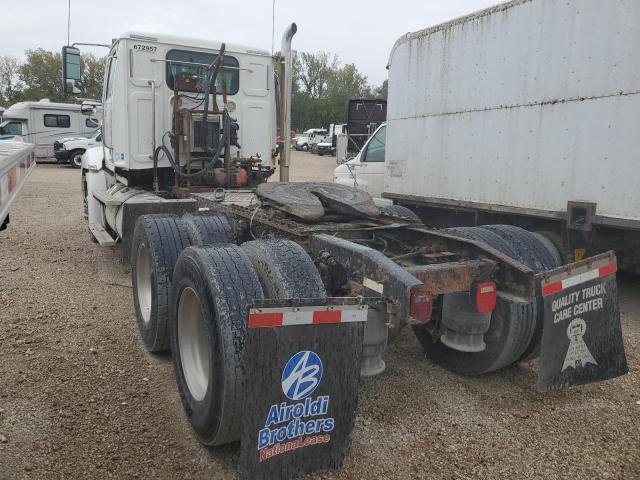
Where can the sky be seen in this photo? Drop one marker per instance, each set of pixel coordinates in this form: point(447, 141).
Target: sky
point(358, 31)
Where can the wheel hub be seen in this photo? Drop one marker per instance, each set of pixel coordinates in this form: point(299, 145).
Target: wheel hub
point(193, 344)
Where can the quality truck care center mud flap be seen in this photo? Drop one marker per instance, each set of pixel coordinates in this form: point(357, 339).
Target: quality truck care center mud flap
point(582, 337)
point(302, 367)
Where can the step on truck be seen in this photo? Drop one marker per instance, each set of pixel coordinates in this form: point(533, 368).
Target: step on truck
point(227, 266)
point(16, 164)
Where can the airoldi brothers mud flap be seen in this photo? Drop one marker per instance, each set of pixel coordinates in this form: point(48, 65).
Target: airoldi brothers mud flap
point(582, 337)
point(302, 366)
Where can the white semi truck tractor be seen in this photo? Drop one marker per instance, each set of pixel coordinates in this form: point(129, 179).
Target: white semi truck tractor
point(180, 183)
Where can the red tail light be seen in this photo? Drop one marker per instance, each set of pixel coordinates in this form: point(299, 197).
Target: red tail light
point(421, 306)
point(486, 297)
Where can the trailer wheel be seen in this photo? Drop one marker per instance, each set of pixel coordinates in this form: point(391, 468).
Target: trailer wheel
point(208, 229)
point(537, 257)
point(75, 158)
point(401, 212)
point(285, 269)
point(509, 334)
point(211, 293)
point(157, 242)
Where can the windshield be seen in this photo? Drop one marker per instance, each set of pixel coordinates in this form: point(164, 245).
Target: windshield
point(93, 134)
point(11, 127)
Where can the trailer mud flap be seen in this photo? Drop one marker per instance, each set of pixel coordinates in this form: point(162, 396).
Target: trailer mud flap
point(582, 338)
point(302, 366)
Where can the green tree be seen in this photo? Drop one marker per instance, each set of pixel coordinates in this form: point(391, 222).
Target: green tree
point(92, 76)
point(10, 84)
point(41, 74)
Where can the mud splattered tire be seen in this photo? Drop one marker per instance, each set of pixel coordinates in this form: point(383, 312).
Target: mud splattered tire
point(508, 336)
point(528, 247)
point(490, 238)
point(208, 229)
point(211, 293)
point(512, 326)
point(537, 257)
point(285, 269)
point(157, 242)
point(400, 212)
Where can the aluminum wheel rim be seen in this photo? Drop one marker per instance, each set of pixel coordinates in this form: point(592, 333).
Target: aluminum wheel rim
point(77, 160)
point(193, 344)
point(143, 282)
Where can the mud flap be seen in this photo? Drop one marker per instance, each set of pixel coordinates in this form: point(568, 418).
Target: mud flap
point(582, 338)
point(302, 366)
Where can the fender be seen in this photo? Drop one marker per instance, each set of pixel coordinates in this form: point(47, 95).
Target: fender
point(93, 159)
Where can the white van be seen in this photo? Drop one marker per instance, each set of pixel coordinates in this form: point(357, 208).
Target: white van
point(366, 170)
point(43, 122)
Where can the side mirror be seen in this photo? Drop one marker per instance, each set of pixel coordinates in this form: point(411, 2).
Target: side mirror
point(87, 109)
point(71, 74)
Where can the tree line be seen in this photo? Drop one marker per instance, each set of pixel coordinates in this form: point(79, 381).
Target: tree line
point(322, 86)
point(39, 76)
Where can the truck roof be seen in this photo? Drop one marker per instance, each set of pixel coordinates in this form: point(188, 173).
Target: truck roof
point(452, 23)
point(192, 42)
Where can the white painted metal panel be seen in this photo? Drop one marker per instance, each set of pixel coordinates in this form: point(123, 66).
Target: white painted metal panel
point(528, 104)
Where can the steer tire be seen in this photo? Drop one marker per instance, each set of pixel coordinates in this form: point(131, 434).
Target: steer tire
point(400, 212)
point(538, 258)
point(208, 229)
point(158, 239)
point(285, 269)
point(508, 336)
point(213, 288)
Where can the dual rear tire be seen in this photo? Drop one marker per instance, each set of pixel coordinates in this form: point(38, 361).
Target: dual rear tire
point(193, 290)
point(515, 330)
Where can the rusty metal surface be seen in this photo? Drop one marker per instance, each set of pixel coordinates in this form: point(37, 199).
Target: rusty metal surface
point(400, 243)
point(453, 276)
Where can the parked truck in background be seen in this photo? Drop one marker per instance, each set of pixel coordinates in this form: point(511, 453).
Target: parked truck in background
point(180, 183)
point(42, 123)
point(70, 149)
point(528, 119)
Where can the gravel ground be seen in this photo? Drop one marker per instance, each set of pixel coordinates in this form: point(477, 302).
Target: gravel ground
point(80, 398)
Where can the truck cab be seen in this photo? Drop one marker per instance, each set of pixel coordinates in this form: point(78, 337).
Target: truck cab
point(366, 170)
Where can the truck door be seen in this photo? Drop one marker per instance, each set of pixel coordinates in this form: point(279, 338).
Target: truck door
point(369, 170)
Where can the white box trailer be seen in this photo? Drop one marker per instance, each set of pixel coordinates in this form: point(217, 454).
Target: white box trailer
point(44, 122)
point(16, 164)
point(523, 113)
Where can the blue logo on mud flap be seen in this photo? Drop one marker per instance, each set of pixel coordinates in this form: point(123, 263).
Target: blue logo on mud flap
point(301, 375)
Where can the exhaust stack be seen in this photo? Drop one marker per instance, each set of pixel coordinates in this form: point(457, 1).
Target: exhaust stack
point(285, 104)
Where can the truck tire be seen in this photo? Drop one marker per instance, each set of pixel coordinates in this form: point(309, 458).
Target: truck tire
point(553, 241)
point(512, 326)
point(537, 257)
point(157, 241)
point(285, 270)
point(400, 212)
point(486, 236)
point(212, 290)
point(509, 334)
point(533, 252)
point(75, 158)
point(208, 229)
